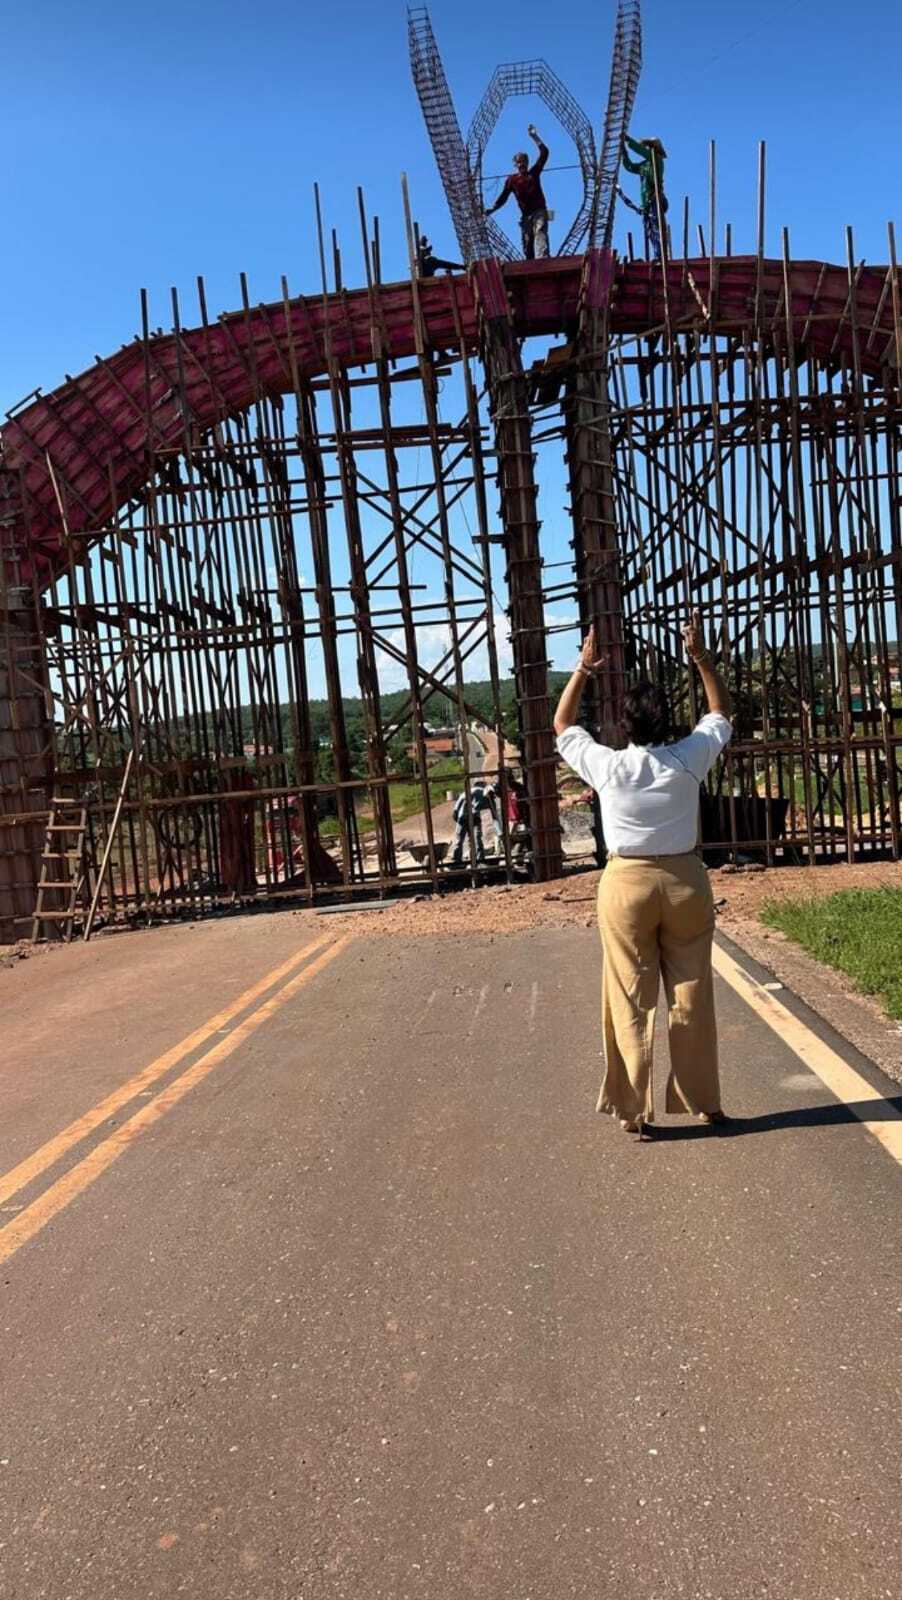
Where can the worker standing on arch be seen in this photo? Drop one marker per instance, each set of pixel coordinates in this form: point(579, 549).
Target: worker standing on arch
point(650, 171)
point(525, 184)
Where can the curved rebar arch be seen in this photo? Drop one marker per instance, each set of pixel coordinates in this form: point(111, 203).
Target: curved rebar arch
point(460, 165)
point(626, 65)
point(477, 235)
point(536, 78)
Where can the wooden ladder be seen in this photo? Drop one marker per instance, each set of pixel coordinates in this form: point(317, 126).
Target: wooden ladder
point(63, 866)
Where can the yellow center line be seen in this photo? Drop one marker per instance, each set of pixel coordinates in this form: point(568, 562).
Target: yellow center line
point(89, 1169)
point(837, 1075)
point(48, 1154)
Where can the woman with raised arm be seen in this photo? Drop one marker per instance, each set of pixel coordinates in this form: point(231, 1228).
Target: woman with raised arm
point(655, 906)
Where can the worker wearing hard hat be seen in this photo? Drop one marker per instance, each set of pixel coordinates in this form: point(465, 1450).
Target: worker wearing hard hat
point(650, 171)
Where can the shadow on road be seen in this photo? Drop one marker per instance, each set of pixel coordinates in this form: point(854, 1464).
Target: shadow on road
point(801, 1117)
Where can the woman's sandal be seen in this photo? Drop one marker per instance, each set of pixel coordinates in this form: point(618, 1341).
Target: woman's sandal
point(638, 1125)
point(716, 1119)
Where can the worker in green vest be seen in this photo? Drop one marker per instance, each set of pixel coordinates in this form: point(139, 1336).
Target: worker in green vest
point(650, 171)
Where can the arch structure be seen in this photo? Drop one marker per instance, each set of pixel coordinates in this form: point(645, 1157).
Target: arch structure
point(272, 584)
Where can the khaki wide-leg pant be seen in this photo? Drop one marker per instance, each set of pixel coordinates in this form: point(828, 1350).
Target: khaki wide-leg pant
point(656, 916)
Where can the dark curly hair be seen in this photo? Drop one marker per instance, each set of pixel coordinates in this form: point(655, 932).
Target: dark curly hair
point(646, 714)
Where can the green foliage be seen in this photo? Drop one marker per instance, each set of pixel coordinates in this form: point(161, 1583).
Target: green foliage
point(857, 931)
point(400, 759)
point(406, 800)
point(449, 769)
point(401, 762)
point(439, 710)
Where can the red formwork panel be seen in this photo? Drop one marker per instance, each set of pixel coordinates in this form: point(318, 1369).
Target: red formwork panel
point(89, 442)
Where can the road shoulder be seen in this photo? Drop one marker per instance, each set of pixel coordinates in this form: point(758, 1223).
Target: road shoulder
point(855, 1017)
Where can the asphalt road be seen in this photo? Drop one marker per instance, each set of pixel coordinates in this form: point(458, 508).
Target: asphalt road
point(477, 750)
point(381, 1309)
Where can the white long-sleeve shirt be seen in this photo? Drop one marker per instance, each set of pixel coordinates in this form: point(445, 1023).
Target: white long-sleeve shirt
point(648, 793)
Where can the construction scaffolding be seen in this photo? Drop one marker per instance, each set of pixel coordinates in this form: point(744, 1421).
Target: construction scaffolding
point(758, 479)
point(175, 644)
point(251, 566)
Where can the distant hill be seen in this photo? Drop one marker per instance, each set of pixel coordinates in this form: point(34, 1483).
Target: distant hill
point(440, 709)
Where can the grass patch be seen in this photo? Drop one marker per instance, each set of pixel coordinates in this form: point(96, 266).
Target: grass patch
point(406, 798)
point(858, 931)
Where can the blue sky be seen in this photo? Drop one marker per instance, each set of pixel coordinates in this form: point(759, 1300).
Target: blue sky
point(144, 147)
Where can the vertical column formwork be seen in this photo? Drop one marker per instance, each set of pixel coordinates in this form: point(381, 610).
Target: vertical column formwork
point(509, 402)
point(592, 499)
point(26, 745)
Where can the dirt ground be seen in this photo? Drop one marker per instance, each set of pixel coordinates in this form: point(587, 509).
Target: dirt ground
point(738, 893)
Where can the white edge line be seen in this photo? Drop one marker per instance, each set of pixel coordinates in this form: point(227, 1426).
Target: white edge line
point(843, 1081)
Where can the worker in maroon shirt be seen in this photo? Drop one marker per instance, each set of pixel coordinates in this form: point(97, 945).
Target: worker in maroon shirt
point(525, 185)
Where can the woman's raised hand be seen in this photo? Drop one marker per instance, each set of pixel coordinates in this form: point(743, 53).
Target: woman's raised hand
point(694, 638)
point(589, 659)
